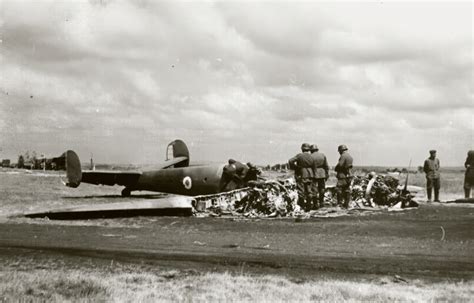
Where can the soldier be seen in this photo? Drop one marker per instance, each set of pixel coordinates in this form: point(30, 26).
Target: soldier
point(303, 165)
point(253, 173)
point(233, 175)
point(431, 169)
point(469, 177)
point(344, 176)
point(240, 172)
point(228, 178)
point(321, 174)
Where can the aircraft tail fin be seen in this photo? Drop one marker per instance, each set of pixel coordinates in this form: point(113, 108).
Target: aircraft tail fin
point(176, 149)
point(73, 169)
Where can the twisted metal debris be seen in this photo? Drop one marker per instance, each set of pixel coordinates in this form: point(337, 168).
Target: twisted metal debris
point(278, 198)
point(373, 191)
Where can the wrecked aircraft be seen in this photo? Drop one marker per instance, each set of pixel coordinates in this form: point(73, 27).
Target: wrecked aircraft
point(211, 194)
point(174, 176)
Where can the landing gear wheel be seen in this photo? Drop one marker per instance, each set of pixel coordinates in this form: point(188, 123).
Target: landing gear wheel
point(126, 192)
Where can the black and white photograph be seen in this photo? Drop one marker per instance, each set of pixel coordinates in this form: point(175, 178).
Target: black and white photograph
point(242, 151)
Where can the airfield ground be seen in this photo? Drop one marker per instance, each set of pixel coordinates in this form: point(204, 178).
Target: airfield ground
point(421, 254)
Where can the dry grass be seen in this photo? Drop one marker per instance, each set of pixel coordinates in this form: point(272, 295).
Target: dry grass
point(28, 280)
point(183, 286)
point(23, 191)
point(452, 182)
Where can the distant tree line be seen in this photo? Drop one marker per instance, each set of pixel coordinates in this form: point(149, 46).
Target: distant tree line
point(30, 160)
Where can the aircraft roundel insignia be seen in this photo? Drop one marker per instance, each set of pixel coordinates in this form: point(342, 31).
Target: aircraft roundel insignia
point(187, 182)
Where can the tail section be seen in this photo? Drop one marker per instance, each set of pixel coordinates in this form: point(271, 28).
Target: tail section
point(176, 149)
point(73, 169)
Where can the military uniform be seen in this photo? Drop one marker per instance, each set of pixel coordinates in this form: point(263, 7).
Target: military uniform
point(240, 173)
point(469, 176)
point(431, 169)
point(233, 175)
point(321, 174)
point(253, 173)
point(344, 177)
point(303, 164)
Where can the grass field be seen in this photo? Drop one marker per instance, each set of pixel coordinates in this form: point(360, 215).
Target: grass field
point(24, 277)
point(28, 191)
point(121, 283)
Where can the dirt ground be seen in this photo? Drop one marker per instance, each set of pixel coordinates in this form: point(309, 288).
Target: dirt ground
point(434, 242)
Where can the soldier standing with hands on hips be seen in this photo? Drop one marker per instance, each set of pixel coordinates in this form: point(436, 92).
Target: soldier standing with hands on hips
point(344, 176)
point(431, 169)
point(469, 177)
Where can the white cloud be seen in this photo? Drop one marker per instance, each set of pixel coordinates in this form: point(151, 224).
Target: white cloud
point(238, 79)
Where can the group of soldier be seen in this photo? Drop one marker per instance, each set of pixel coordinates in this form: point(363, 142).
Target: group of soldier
point(312, 171)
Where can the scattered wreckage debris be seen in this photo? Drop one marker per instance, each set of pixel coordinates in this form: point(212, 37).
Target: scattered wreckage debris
point(380, 191)
point(278, 198)
point(261, 199)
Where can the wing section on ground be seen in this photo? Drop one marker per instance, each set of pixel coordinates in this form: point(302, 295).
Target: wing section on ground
point(125, 178)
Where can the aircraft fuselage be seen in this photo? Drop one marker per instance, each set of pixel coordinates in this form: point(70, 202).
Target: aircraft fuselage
point(190, 181)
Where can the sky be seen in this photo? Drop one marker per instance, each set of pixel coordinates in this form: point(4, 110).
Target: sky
point(245, 80)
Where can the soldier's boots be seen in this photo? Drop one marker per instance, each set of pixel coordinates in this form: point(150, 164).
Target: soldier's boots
point(318, 203)
point(305, 203)
point(301, 202)
point(347, 199)
point(428, 193)
point(320, 200)
point(340, 200)
point(467, 193)
point(315, 203)
point(436, 195)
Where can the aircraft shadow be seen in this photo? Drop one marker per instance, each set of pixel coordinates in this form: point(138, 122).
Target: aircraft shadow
point(118, 197)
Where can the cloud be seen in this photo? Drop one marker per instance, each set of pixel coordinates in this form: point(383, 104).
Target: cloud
point(241, 79)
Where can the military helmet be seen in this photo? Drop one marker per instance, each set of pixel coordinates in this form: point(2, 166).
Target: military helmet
point(229, 169)
point(305, 147)
point(313, 147)
point(433, 151)
point(342, 147)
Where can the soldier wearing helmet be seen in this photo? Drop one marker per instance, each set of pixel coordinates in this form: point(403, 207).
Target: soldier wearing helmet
point(303, 165)
point(431, 169)
point(321, 174)
point(344, 176)
point(469, 177)
point(233, 175)
point(253, 173)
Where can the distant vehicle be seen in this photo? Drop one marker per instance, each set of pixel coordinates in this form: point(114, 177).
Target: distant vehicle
point(174, 176)
point(28, 165)
point(6, 163)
